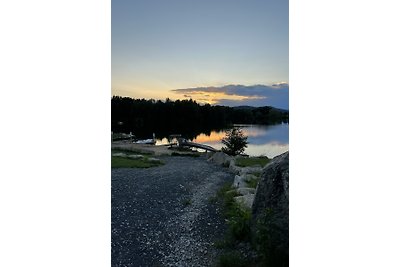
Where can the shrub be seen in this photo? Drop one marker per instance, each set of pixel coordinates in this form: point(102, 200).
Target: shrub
point(232, 259)
point(238, 217)
point(235, 142)
point(252, 161)
point(268, 241)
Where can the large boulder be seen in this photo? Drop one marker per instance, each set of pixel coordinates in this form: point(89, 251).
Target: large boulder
point(221, 158)
point(270, 211)
point(233, 168)
point(239, 181)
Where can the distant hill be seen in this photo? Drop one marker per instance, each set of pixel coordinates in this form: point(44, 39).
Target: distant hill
point(244, 107)
point(252, 108)
point(259, 115)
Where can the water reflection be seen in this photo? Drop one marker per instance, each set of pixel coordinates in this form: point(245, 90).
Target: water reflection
point(265, 140)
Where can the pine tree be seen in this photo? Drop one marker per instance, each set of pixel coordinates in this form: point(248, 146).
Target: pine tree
point(235, 142)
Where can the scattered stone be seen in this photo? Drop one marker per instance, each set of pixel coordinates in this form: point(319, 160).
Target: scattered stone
point(135, 156)
point(119, 154)
point(153, 160)
point(249, 177)
point(245, 191)
point(239, 181)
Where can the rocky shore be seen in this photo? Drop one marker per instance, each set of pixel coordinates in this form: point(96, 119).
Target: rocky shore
point(163, 216)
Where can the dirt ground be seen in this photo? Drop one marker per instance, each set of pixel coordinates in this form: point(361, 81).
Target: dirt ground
point(163, 216)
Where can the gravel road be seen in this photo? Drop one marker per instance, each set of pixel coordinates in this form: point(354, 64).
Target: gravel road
point(162, 216)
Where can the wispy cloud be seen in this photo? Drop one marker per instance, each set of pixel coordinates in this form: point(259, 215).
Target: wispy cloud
point(276, 95)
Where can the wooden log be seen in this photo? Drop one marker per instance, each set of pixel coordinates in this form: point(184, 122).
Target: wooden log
point(192, 144)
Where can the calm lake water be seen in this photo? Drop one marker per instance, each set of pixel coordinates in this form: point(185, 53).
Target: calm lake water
point(263, 140)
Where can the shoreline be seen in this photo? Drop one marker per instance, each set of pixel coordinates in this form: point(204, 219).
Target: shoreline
point(146, 148)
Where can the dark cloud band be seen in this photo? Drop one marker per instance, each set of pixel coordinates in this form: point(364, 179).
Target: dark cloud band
point(276, 95)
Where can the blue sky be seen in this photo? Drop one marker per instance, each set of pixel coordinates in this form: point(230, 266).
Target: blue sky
point(159, 46)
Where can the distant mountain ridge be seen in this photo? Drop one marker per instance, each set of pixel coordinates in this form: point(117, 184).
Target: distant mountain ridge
point(187, 117)
point(252, 108)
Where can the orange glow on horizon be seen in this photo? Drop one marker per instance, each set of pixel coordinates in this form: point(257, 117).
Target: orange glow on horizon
point(214, 97)
point(158, 92)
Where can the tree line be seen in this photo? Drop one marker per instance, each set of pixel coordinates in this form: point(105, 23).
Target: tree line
point(187, 117)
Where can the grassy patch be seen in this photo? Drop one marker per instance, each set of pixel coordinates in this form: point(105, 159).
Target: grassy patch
point(121, 162)
point(252, 161)
point(252, 183)
point(238, 222)
point(258, 174)
point(238, 217)
point(232, 259)
point(131, 151)
point(268, 241)
point(226, 194)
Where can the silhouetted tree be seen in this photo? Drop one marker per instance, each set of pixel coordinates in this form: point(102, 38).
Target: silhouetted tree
point(187, 117)
point(235, 142)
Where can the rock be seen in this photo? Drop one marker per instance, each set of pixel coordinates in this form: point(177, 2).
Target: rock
point(246, 201)
point(245, 191)
point(135, 156)
point(221, 158)
point(242, 191)
point(249, 177)
point(233, 168)
point(120, 154)
point(209, 154)
point(270, 210)
point(239, 181)
point(153, 160)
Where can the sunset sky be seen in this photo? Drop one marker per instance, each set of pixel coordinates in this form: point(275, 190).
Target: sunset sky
point(213, 51)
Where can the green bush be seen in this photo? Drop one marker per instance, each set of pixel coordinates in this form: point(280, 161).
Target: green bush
point(122, 162)
point(253, 183)
point(239, 222)
point(235, 142)
point(252, 161)
point(268, 243)
point(232, 259)
point(237, 216)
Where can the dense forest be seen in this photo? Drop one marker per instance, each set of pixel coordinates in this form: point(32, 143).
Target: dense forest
point(144, 117)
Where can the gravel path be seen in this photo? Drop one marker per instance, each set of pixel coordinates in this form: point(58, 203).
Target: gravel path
point(162, 216)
